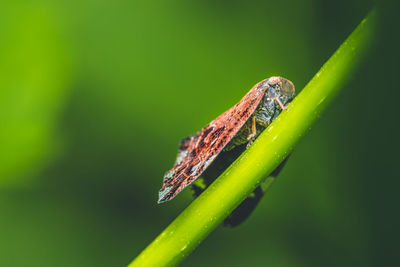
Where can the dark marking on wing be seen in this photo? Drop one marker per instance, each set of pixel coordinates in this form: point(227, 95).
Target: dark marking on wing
point(197, 152)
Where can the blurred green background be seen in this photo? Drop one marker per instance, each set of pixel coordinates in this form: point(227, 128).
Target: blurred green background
point(95, 96)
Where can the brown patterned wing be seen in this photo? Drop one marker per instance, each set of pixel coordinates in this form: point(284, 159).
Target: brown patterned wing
point(198, 151)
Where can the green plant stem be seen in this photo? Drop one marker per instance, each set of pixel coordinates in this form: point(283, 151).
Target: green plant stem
point(207, 211)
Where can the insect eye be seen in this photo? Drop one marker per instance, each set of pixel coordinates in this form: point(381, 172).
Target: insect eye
point(288, 88)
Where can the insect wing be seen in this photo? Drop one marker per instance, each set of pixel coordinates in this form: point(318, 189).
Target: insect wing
point(198, 151)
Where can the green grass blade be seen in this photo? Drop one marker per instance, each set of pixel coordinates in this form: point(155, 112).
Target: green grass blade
point(270, 148)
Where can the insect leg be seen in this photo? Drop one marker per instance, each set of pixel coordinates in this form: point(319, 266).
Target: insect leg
point(253, 133)
point(280, 103)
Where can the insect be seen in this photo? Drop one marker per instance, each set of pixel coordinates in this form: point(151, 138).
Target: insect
point(228, 135)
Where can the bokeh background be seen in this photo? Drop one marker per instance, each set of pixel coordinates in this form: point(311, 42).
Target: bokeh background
point(95, 96)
